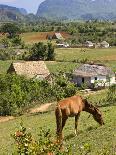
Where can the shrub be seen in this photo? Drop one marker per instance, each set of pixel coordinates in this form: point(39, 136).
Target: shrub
point(27, 145)
point(18, 93)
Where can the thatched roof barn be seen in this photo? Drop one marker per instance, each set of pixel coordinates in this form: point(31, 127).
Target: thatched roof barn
point(58, 36)
point(30, 69)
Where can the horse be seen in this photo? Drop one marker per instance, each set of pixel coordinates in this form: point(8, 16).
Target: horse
point(72, 107)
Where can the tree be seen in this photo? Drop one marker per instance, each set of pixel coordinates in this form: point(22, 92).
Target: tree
point(5, 42)
point(38, 51)
point(16, 40)
point(50, 52)
point(10, 28)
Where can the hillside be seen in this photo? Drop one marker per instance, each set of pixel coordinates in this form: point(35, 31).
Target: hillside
point(78, 9)
point(9, 13)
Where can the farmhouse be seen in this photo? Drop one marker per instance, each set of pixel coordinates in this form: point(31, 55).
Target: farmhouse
point(30, 69)
point(88, 44)
point(104, 44)
point(92, 73)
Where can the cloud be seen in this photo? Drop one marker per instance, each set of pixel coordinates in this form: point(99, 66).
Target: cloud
point(7, 1)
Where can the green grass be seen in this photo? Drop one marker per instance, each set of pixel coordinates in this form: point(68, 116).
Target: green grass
point(91, 54)
point(4, 65)
point(89, 132)
point(65, 59)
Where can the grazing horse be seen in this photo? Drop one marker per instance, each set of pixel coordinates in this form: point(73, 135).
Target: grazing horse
point(71, 107)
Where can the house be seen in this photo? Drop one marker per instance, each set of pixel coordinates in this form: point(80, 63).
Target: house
point(30, 69)
point(57, 36)
point(63, 45)
point(92, 73)
point(104, 44)
point(88, 44)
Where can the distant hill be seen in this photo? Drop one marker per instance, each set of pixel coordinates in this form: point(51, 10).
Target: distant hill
point(9, 13)
point(78, 9)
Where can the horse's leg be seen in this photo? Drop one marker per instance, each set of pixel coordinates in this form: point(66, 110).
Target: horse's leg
point(64, 121)
point(76, 122)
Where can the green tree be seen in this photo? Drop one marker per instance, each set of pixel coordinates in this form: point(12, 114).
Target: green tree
point(38, 51)
point(10, 28)
point(5, 42)
point(16, 40)
point(50, 52)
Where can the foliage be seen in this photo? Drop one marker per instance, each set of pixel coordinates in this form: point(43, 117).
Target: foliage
point(18, 93)
point(5, 42)
point(111, 94)
point(7, 54)
point(40, 51)
point(16, 40)
point(10, 28)
point(27, 145)
point(50, 52)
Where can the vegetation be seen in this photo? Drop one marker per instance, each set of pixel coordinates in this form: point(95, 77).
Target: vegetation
point(40, 51)
point(18, 93)
point(45, 145)
point(91, 138)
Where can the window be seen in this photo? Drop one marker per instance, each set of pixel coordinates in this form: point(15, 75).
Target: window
point(95, 78)
point(83, 80)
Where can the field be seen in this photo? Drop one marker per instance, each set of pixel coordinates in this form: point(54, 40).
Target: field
point(34, 37)
point(92, 138)
point(67, 59)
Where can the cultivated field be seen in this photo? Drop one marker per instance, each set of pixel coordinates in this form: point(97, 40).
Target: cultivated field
point(34, 37)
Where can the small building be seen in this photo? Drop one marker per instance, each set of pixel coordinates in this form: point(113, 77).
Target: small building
point(57, 36)
point(92, 73)
point(30, 69)
point(104, 44)
point(63, 45)
point(88, 44)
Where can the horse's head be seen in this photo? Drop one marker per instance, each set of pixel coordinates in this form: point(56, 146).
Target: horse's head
point(97, 115)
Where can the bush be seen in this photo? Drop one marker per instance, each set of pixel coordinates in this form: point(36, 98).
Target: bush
point(111, 94)
point(27, 145)
point(18, 93)
point(40, 51)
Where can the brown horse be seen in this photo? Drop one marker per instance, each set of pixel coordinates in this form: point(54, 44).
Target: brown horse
point(71, 107)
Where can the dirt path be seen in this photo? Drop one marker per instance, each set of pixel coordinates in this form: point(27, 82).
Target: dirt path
point(42, 108)
point(6, 118)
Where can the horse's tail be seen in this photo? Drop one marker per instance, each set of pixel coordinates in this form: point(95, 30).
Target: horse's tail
point(58, 114)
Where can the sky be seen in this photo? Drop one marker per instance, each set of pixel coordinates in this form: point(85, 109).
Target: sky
point(30, 5)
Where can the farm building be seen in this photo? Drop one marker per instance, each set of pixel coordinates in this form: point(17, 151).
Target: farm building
point(57, 36)
point(92, 73)
point(104, 44)
point(30, 69)
point(88, 44)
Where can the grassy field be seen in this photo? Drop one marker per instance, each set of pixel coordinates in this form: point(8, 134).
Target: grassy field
point(90, 135)
point(67, 59)
point(72, 54)
point(94, 138)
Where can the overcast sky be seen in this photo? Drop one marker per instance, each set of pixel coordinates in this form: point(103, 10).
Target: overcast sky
point(30, 5)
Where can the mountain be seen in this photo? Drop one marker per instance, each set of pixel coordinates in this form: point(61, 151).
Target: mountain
point(78, 9)
point(9, 13)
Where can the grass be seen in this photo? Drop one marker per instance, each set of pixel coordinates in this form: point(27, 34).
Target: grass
point(89, 132)
point(72, 54)
point(4, 65)
point(66, 59)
